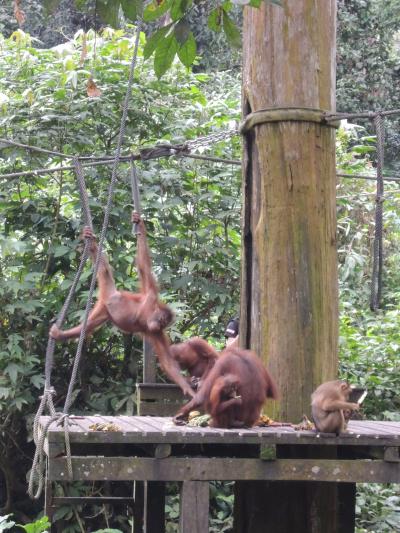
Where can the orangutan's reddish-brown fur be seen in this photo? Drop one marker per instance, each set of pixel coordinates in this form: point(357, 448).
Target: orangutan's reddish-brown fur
point(234, 391)
point(140, 312)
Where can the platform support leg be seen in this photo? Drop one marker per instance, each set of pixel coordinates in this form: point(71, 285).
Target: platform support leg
point(195, 503)
point(347, 507)
point(138, 508)
point(48, 503)
point(154, 507)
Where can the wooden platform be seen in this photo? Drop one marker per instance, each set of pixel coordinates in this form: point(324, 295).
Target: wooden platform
point(154, 449)
point(153, 429)
point(150, 450)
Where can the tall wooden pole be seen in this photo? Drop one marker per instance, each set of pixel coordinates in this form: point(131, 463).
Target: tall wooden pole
point(289, 306)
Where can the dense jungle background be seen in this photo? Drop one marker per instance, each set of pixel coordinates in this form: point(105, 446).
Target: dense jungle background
point(192, 209)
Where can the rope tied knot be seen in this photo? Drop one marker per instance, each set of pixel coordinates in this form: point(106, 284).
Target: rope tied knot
point(50, 391)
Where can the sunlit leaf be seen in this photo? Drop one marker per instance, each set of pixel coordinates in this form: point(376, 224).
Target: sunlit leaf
point(84, 50)
point(178, 8)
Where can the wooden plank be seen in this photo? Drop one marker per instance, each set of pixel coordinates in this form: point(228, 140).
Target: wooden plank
point(154, 430)
point(88, 500)
point(154, 507)
point(149, 363)
point(138, 425)
point(377, 429)
point(194, 507)
point(138, 511)
point(154, 408)
point(225, 469)
point(167, 392)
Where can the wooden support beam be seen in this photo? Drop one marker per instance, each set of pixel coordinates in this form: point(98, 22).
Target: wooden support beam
point(154, 506)
point(289, 299)
point(194, 507)
point(225, 469)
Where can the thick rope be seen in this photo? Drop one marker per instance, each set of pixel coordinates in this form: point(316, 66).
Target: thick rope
point(48, 393)
point(37, 472)
point(68, 400)
point(86, 213)
point(376, 281)
point(135, 194)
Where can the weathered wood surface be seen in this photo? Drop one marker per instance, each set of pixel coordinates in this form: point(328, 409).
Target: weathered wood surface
point(162, 399)
point(194, 507)
point(154, 506)
point(289, 299)
point(289, 296)
point(160, 430)
point(224, 469)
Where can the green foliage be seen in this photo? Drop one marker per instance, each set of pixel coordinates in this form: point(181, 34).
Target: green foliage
point(192, 211)
point(378, 509)
point(39, 526)
point(368, 62)
point(369, 342)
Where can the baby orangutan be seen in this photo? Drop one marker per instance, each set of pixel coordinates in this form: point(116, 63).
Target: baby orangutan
point(328, 402)
point(140, 312)
point(197, 357)
point(234, 391)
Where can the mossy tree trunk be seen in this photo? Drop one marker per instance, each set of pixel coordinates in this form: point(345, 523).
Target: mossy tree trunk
point(289, 306)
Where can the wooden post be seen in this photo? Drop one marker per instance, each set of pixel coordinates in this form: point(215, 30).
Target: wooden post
point(289, 306)
point(194, 507)
point(154, 507)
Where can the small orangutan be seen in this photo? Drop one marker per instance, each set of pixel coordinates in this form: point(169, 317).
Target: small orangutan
point(196, 356)
point(234, 391)
point(328, 403)
point(141, 312)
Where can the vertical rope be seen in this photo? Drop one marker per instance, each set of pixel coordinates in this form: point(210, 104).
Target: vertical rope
point(135, 193)
point(377, 267)
point(68, 400)
point(37, 471)
point(86, 213)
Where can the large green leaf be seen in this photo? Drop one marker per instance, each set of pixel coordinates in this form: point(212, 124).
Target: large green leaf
point(182, 31)
point(132, 8)
point(187, 51)
point(154, 40)
point(179, 8)
point(155, 9)
point(108, 11)
point(215, 19)
point(231, 31)
point(164, 54)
